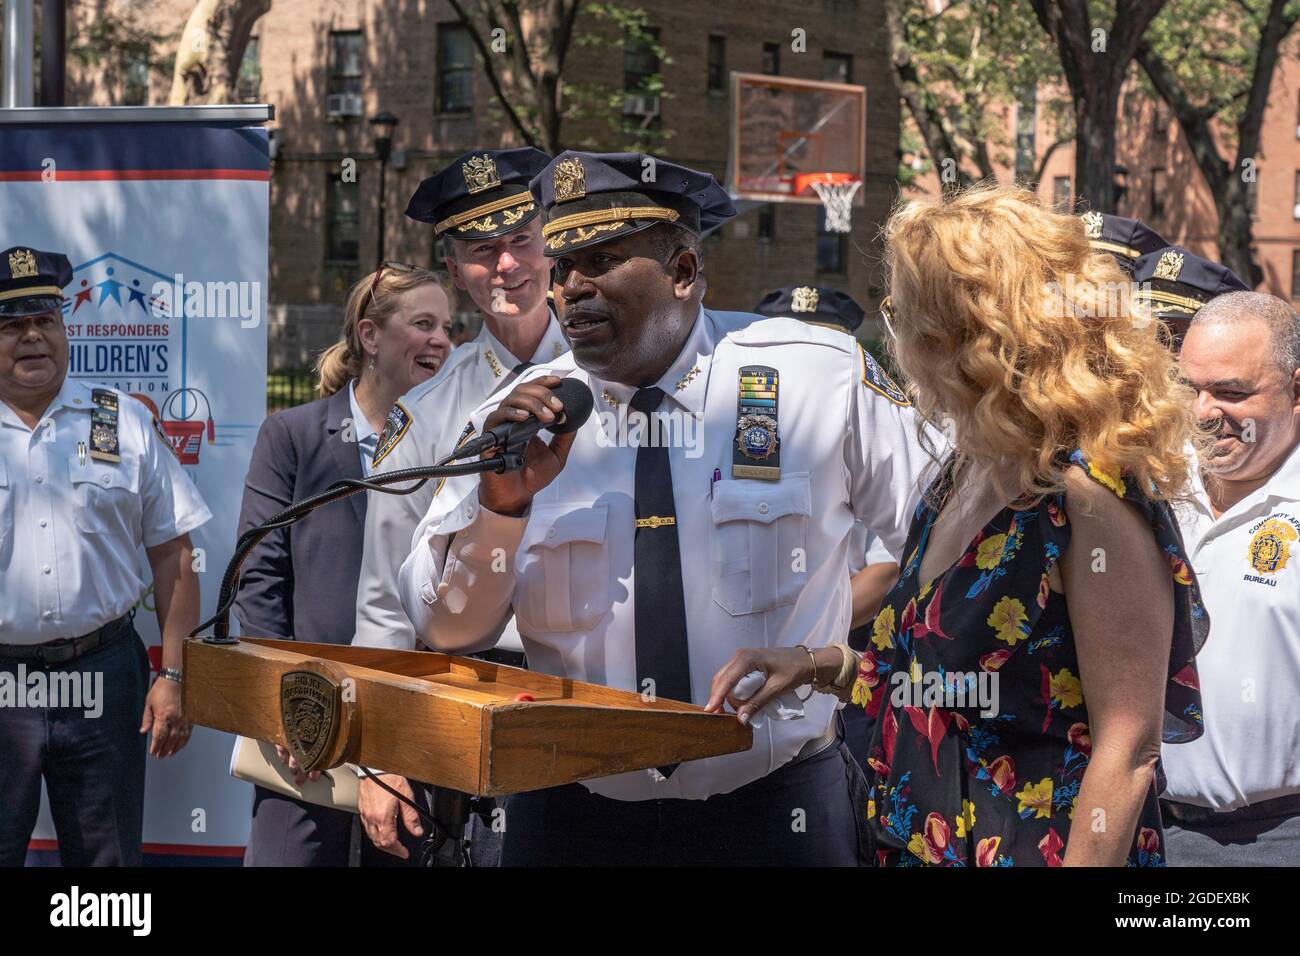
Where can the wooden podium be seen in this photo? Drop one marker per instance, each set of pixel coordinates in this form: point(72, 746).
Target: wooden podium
point(467, 725)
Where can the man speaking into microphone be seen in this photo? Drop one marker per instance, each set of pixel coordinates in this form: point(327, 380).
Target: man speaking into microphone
point(706, 507)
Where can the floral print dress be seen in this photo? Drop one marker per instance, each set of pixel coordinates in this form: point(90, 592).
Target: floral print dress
point(950, 787)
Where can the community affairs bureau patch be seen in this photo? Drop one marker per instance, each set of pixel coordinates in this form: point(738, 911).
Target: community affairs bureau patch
point(876, 379)
point(395, 427)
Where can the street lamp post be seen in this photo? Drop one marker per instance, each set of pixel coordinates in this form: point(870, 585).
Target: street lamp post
point(384, 124)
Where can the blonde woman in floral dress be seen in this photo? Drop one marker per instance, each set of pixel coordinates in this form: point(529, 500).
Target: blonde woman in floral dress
point(1042, 563)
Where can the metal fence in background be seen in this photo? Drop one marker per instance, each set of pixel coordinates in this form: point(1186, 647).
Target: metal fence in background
point(287, 387)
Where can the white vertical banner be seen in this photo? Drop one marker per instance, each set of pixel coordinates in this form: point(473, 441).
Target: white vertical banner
point(164, 216)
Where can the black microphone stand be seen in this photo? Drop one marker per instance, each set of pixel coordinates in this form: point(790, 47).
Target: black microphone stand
point(444, 843)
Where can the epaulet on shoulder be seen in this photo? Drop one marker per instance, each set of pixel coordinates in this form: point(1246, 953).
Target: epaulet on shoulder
point(785, 331)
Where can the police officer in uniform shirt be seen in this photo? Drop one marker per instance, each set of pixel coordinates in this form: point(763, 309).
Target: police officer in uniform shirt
point(873, 570)
point(491, 227)
point(85, 481)
point(646, 565)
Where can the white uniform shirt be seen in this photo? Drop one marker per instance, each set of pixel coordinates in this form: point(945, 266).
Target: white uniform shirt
point(439, 410)
point(846, 453)
point(1247, 563)
point(70, 532)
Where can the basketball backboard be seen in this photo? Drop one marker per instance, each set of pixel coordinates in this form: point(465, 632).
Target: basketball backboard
point(787, 134)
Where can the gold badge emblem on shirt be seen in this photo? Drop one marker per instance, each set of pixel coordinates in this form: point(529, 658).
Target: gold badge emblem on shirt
point(1092, 223)
point(480, 174)
point(1270, 546)
point(22, 264)
point(570, 180)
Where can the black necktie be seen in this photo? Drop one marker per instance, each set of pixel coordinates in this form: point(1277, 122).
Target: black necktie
point(662, 652)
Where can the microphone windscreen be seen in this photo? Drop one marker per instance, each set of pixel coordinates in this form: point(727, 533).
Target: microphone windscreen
point(578, 404)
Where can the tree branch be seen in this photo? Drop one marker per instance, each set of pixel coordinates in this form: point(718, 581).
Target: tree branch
point(494, 80)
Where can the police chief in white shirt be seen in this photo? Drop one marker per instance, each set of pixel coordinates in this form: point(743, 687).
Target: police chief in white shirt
point(645, 568)
point(85, 482)
point(1233, 796)
point(491, 229)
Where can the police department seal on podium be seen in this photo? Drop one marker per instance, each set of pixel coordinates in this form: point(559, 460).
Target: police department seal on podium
point(311, 708)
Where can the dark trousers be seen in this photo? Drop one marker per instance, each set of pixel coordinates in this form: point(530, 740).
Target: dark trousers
point(811, 813)
point(93, 766)
point(289, 832)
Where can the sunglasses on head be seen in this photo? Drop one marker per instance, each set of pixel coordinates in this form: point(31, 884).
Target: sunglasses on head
point(395, 267)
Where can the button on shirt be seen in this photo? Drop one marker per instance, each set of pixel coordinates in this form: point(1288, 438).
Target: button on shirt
point(439, 410)
point(1247, 563)
point(71, 527)
point(764, 563)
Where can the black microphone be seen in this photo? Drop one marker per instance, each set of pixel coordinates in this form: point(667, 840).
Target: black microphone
point(578, 404)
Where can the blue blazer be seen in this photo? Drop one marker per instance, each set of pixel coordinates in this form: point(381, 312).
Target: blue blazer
point(300, 582)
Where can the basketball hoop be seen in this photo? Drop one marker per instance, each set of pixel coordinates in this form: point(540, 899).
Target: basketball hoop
point(836, 191)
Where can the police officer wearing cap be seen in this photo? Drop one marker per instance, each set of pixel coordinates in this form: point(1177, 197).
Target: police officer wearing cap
point(1175, 283)
point(707, 506)
point(872, 568)
point(85, 481)
point(1125, 239)
point(491, 228)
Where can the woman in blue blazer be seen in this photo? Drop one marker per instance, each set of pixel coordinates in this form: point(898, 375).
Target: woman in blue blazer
point(300, 583)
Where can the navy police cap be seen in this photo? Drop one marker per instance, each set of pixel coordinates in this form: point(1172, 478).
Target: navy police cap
point(1125, 239)
point(31, 281)
point(818, 305)
point(480, 195)
point(1175, 283)
point(591, 197)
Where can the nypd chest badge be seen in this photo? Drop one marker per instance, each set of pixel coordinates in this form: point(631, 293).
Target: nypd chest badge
point(757, 452)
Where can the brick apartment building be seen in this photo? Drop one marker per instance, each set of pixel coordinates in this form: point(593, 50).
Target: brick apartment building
point(1162, 184)
point(328, 66)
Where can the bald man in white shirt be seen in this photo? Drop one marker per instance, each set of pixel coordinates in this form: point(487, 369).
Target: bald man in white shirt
point(1233, 796)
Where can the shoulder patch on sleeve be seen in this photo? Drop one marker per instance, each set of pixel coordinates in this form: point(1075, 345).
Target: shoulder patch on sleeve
point(876, 379)
point(395, 427)
point(465, 436)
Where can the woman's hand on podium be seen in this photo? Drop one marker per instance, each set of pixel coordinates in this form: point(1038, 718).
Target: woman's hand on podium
point(380, 810)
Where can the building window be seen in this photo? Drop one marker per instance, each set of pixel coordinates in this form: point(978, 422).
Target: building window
point(767, 222)
point(342, 220)
point(837, 67)
point(248, 87)
point(455, 69)
point(135, 71)
point(832, 247)
point(772, 58)
point(717, 64)
point(1295, 273)
point(1061, 194)
point(1026, 117)
point(344, 75)
point(1158, 185)
point(640, 62)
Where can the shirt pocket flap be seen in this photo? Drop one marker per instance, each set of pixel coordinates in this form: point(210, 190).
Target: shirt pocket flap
point(123, 474)
point(747, 500)
point(563, 524)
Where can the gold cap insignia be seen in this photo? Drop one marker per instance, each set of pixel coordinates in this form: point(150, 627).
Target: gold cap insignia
point(480, 173)
point(1092, 222)
point(570, 180)
point(1170, 264)
point(22, 264)
point(804, 299)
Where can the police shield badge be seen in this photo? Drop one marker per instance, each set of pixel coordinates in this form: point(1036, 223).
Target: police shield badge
point(311, 713)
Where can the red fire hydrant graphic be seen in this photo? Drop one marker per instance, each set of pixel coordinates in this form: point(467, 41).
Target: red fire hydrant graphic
point(185, 432)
